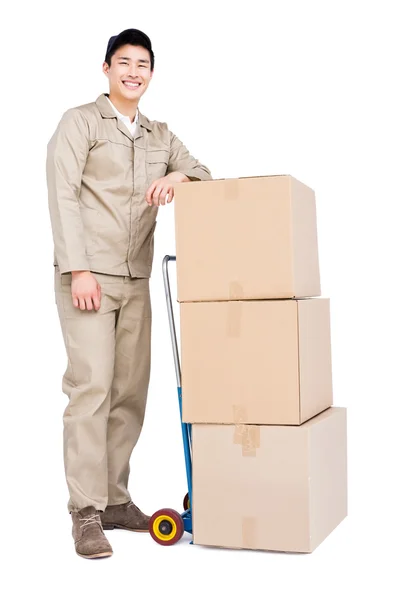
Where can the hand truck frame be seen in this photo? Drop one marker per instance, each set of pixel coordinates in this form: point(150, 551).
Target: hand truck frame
point(166, 525)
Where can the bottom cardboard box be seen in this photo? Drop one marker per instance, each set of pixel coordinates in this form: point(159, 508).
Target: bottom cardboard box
point(270, 487)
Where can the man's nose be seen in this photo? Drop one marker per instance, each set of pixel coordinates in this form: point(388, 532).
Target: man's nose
point(132, 71)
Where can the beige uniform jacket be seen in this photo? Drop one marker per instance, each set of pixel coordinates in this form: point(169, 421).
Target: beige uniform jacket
point(97, 177)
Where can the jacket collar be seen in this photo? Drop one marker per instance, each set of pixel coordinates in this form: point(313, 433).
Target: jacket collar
point(107, 112)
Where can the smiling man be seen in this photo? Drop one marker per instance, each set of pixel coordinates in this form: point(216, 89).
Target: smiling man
point(109, 168)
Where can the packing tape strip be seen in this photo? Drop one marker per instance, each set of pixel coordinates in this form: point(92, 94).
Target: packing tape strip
point(231, 189)
point(234, 319)
point(248, 436)
point(235, 290)
point(249, 532)
point(239, 413)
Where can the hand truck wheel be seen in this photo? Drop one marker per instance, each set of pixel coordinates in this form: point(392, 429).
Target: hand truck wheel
point(186, 502)
point(166, 527)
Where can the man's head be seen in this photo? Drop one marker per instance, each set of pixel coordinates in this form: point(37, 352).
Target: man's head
point(129, 64)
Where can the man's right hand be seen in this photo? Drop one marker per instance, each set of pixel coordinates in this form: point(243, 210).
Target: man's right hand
point(85, 290)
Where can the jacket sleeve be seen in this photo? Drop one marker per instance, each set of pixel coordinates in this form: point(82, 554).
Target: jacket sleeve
point(181, 160)
point(67, 152)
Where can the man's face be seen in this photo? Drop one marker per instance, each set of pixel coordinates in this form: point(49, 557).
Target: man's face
point(129, 74)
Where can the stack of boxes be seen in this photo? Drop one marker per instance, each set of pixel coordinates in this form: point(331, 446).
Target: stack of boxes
point(268, 448)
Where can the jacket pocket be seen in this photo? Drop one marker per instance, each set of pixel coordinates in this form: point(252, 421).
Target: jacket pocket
point(156, 164)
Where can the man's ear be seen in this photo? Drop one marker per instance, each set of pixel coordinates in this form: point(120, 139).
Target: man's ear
point(106, 68)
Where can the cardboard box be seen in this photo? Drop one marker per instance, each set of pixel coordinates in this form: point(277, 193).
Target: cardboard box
point(255, 361)
point(270, 487)
point(246, 238)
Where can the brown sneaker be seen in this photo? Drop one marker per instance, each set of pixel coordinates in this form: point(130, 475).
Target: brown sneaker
point(125, 516)
point(90, 541)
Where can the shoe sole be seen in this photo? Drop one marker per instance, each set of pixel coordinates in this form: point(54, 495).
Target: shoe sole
point(98, 555)
point(109, 527)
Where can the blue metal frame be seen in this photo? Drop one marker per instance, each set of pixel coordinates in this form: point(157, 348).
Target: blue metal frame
point(186, 427)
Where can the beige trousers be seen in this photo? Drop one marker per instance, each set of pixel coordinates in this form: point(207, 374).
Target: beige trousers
point(106, 381)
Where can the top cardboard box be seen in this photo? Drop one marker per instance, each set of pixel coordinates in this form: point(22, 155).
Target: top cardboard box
point(246, 238)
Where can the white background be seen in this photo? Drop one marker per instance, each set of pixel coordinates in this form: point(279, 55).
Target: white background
point(305, 88)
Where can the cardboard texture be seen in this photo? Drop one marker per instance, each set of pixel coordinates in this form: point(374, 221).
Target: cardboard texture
point(255, 362)
point(272, 487)
point(246, 238)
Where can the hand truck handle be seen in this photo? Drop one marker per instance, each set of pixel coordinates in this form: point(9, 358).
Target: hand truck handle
point(171, 320)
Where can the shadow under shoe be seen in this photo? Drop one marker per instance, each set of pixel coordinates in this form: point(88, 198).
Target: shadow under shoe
point(88, 534)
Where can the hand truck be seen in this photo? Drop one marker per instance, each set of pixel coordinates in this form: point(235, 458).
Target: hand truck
point(167, 525)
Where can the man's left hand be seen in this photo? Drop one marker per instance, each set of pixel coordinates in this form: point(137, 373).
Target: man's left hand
point(163, 187)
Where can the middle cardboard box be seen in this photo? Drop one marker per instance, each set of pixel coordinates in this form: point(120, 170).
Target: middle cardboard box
point(255, 361)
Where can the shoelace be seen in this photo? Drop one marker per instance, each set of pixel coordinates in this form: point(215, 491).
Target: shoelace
point(90, 520)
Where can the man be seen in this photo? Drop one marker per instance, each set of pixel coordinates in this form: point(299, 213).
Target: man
point(108, 170)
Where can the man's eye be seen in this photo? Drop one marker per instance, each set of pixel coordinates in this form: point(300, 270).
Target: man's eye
point(123, 63)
